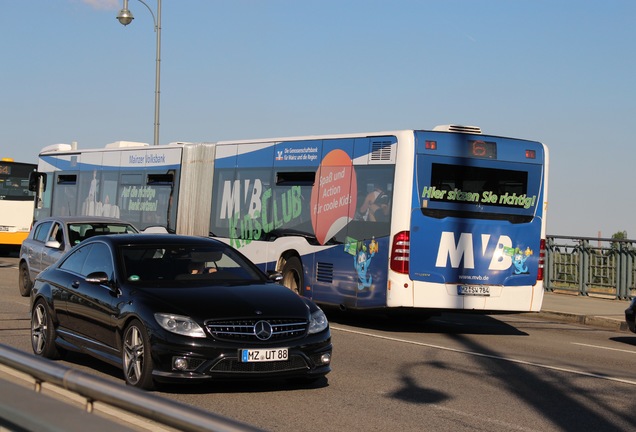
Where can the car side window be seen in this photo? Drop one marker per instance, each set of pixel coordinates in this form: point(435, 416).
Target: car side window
point(42, 231)
point(99, 260)
point(75, 261)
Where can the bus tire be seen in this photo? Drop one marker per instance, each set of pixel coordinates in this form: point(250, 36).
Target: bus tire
point(24, 283)
point(293, 275)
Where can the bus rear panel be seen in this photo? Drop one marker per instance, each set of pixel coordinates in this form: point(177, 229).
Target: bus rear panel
point(476, 223)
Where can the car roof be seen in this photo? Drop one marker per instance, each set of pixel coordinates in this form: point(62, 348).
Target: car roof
point(154, 239)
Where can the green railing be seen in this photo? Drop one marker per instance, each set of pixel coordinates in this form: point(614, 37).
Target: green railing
point(591, 266)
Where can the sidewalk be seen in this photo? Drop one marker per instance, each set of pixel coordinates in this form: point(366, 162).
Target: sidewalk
point(592, 311)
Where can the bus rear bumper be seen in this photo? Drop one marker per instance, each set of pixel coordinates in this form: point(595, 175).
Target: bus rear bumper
point(478, 297)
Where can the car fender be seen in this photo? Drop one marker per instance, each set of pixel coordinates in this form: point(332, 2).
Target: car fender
point(44, 291)
point(126, 317)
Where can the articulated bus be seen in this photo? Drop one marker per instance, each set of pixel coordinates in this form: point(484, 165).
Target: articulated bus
point(446, 219)
point(16, 202)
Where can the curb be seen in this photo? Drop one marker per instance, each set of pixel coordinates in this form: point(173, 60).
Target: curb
point(607, 323)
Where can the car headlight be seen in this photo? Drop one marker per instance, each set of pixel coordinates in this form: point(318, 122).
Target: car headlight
point(180, 325)
point(318, 322)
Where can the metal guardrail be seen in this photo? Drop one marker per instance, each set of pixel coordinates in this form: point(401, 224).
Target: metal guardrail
point(587, 265)
point(94, 389)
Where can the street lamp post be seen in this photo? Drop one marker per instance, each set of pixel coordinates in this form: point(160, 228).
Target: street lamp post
point(125, 17)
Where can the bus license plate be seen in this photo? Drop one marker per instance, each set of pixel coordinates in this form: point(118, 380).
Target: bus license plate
point(263, 355)
point(476, 290)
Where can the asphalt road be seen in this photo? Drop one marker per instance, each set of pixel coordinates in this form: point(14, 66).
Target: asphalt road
point(451, 373)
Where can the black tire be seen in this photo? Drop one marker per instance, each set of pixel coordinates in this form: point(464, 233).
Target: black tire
point(293, 275)
point(136, 356)
point(24, 280)
point(43, 332)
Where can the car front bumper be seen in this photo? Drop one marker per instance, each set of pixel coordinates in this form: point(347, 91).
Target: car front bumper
point(209, 360)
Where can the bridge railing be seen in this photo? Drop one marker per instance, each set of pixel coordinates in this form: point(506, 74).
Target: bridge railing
point(161, 411)
point(591, 266)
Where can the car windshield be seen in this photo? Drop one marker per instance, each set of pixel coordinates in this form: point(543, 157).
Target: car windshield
point(191, 265)
point(80, 231)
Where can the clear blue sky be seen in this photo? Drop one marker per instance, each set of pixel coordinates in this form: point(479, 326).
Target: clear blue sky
point(561, 72)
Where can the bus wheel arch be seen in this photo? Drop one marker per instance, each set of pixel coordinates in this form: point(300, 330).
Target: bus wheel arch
point(291, 268)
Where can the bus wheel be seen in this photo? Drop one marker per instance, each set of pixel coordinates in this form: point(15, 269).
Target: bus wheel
point(24, 282)
point(293, 275)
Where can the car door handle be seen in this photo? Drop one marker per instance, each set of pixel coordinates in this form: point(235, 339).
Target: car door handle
point(75, 284)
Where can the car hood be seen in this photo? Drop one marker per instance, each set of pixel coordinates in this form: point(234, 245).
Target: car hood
point(219, 302)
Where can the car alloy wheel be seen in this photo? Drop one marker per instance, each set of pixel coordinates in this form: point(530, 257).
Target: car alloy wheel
point(43, 332)
point(137, 361)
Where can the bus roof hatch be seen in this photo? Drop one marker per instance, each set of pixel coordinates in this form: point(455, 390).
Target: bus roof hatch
point(458, 129)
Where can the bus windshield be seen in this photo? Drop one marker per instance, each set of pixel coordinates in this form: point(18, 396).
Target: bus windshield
point(16, 202)
point(14, 181)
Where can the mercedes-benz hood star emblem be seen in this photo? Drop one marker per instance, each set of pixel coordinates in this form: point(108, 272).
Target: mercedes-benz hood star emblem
point(263, 330)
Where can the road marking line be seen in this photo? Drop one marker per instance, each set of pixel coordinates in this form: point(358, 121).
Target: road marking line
point(605, 348)
point(511, 360)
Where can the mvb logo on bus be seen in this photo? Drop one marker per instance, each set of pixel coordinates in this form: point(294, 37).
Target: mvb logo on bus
point(504, 256)
point(263, 211)
point(256, 205)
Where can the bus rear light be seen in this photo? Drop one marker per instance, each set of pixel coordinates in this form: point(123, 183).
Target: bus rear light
point(400, 252)
point(430, 145)
point(541, 260)
point(531, 154)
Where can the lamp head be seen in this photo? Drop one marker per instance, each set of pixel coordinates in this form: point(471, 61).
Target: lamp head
point(125, 16)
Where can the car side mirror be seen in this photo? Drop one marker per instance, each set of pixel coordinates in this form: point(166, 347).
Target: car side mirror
point(98, 278)
point(275, 276)
point(53, 244)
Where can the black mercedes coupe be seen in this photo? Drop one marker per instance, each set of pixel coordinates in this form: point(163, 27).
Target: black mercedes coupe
point(176, 308)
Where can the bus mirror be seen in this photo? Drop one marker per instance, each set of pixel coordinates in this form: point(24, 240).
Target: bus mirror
point(37, 181)
point(33, 181)
point(37, 184)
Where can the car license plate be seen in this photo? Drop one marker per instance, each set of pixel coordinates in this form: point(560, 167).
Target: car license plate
point(476, 290)
point(263, 355)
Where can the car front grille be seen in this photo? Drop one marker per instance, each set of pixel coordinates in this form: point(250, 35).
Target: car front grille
point(233, 365)
point(245, 330)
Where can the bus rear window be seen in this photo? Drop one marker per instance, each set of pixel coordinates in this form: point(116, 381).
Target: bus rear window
point(476, 189)
point(488, 186)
